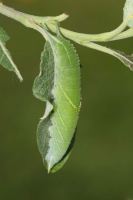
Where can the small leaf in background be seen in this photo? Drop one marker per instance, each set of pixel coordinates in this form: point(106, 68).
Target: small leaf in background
point(128, 12)
point(5, 57)
point(59, 85)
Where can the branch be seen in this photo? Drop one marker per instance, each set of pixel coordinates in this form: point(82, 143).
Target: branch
point(30, 21)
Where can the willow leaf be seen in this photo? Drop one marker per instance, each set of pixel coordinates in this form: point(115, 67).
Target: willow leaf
point(59, 85)
point(3, 35)
point(44, 82)
point(5, 57)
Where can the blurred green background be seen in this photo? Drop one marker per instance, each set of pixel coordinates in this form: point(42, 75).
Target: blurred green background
point(101, 165)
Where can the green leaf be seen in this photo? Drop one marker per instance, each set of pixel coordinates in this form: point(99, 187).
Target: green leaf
point(59, 85)
point(44, 82)
point(128, 12)
point(5, 57)
point(3, 35)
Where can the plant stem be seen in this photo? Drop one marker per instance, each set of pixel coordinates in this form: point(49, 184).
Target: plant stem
point(26, 19)
point(98, 47)
point(102, 37)
point(126, 34)
point(29, 21)
point(126, 60)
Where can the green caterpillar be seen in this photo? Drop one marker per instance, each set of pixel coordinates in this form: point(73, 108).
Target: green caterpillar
point(58, 84)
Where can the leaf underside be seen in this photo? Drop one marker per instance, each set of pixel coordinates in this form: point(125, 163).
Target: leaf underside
point(56, 129)
point(42, 90)
point(5, 57)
